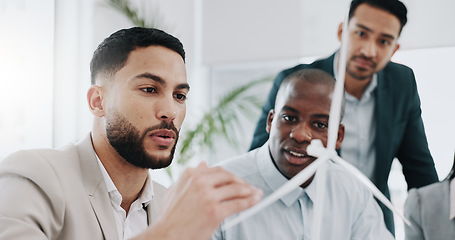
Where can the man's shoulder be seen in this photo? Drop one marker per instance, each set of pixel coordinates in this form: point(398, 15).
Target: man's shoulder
point(243, 165)
point(39, 154)
point(399, 79)
point(340, 178)
point(432, 190)
point(397, 69)
point(36, 163)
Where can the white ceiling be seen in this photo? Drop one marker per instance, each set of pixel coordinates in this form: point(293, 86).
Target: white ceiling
point(257, 30)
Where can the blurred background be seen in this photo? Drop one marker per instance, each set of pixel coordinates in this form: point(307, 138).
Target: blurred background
point(234, 48)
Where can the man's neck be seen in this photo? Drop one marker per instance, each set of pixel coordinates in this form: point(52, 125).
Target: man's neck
point(356, 87)
point(353, 86)
point(128, 179)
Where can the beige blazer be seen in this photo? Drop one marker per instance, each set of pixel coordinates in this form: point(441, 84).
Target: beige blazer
point(58, 194)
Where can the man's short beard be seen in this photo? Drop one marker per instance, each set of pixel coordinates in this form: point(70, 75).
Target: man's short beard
point(129, 143)
point(356, 76)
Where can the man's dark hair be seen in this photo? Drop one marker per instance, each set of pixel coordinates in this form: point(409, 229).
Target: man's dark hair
point(112, 53)
point(395, 7)
point(314, 76)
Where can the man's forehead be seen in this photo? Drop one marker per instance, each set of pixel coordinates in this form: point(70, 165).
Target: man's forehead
point(155, 63)
point(369, 18)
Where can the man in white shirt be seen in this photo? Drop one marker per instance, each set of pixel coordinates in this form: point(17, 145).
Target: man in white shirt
point(301, 114)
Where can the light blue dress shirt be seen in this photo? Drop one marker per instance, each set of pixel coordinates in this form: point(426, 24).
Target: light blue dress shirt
point(350, 211)
point(358, 145)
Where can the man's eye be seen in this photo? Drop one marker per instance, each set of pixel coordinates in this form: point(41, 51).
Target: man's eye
point(181, 97)
point(149, 90)
point(360, 33)
point(320, 125)
point(385, 42)
point(289, 118)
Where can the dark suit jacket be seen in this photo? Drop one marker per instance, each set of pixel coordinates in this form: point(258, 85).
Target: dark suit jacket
point(400, 132)
point(59, 194)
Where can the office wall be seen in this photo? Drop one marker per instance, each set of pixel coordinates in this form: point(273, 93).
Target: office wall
point(248, 39)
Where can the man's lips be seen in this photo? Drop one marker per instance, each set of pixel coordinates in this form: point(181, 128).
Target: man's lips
point(298, 157)
point(163, 137)
point(364, 62)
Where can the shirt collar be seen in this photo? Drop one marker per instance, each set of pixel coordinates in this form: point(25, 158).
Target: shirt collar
point(147, 192)
point(452, 198)
point(273, 178)
point(370, 88)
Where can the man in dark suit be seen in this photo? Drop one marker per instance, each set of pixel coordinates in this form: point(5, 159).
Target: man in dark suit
point(383, 115)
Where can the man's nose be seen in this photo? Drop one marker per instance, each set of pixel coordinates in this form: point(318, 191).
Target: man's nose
point(369, 49)
point(302, 133)
point(167, 109)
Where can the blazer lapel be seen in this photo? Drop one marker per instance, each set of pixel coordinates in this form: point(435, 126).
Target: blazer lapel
point(152, 212)
point(155, 205)
point(96, 189)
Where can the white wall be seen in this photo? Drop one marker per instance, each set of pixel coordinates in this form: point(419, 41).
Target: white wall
point(260, 30)
point(26, 71)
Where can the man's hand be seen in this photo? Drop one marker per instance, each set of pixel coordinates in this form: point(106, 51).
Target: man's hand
point(197, 204)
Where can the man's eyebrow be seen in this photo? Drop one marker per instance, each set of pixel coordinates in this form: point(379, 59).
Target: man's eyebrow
point(153, 77)
point(183, 86)
point(370, 30)
point(326, 116)
point(290, 109)
point(159, 80)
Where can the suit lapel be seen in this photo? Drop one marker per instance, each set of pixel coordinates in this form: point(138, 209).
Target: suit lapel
point(156, 203)
point(96, 189)
point(152, 212)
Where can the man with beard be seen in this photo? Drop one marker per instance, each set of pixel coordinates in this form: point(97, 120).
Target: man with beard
point(383, 116)
point(100, 188)
point(301, 114)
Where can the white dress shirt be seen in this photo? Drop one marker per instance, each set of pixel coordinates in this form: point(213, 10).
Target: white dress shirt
point(359, 119)
point(350, 211)
point(128, 226)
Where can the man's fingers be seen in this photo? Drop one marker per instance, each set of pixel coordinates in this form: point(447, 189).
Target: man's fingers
point(204, 196)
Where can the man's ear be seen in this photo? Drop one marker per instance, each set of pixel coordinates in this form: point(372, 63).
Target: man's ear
point(269, 120)
point(340, 31)
point(340, 136)
point(95, 100)
point(396, 48)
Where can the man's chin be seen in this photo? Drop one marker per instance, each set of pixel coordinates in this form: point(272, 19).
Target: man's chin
point(159, 161)
point(161, 165)
point(360, 75)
